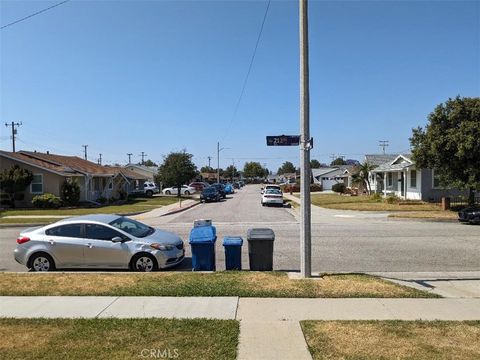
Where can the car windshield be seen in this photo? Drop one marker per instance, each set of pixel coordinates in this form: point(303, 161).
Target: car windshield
point(273, 191)
point(210, 189)
point(132, 227)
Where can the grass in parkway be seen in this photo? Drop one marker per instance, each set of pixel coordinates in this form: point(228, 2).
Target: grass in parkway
point(229, 283)
point(419, 340)
point(106, 339)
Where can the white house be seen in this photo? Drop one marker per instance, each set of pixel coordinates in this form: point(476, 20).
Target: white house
point(329, 176)
point(401, 177)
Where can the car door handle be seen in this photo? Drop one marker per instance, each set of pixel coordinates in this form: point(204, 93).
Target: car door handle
point(89, 245)
point(52, 242)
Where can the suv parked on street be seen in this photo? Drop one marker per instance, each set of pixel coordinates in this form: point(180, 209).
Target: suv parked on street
point(149, 188)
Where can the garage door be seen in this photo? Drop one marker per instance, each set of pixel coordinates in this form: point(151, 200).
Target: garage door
point(327, 184)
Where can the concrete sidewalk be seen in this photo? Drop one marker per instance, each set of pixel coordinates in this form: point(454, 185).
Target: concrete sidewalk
point(269, 327)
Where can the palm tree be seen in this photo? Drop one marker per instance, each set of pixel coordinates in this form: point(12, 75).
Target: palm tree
point(362, 176)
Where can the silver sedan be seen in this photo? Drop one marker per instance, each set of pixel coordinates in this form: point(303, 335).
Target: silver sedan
point(98, 242)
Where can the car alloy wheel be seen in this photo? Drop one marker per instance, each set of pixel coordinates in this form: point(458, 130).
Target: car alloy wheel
point(187, 192)
point(167, 192)
point(144, 263)
point(41, 263)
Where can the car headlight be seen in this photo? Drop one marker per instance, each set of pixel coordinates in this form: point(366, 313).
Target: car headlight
point(161, 247)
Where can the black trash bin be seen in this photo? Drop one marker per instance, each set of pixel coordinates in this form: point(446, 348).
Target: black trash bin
point(260, 249)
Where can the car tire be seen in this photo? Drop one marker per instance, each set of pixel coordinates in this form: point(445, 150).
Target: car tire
point(144, 262)
point(168, 192)
point(186, 192)
point(149, 193)
point(41, 262)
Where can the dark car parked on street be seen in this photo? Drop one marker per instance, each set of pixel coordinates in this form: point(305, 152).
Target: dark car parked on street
point(210, 194)
point(221, 189)
point(469, 215)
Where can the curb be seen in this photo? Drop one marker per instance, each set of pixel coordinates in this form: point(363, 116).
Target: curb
point(395, 218)
point(2, 226)
point(181, 209)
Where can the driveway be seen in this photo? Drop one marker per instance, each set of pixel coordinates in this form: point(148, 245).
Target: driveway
point(342, 241)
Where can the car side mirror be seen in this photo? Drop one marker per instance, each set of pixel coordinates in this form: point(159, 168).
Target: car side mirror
point(117, 239)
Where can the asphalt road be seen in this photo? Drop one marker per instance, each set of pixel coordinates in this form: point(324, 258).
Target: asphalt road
point(341, 240)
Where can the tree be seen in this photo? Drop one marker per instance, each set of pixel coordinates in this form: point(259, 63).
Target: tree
point(70, 192)
point(207, 169)
point(14, 181)
point(450, 144)
point(315, 164)
point(177, 169)
point(338, 161)
point(362, 176)
point(149, 163)
point(352, 162)
point(286, 168)
point(231, 172)
point(253, 169)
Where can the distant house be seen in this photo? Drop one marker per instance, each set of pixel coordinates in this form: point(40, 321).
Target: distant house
point(50, 171)
point(400, 177)
point(329, 176)
point(147, 172)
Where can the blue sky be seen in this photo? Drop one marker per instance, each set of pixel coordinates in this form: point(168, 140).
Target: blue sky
point(158, 76)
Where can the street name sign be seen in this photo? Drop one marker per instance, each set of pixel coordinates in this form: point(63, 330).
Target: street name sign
point(283, 140)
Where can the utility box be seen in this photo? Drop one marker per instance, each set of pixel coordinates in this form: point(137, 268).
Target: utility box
point(202, 242)
point(233, 252)
point(260, 249)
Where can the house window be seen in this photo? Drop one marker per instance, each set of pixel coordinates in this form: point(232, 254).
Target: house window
point(413, 179)
point(36, 187)
point(110, 185)
point(390, 179)
point(435, 180)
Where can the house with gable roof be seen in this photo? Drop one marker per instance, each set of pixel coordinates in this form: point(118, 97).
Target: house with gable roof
point(50, 171)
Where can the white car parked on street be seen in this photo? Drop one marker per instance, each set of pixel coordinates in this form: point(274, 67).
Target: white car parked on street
point(184, 190)
point(272, 197)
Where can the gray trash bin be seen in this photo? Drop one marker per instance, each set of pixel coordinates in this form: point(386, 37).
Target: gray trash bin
point(260, 249)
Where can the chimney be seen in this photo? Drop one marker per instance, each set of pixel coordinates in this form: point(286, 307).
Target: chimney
point(48, 152)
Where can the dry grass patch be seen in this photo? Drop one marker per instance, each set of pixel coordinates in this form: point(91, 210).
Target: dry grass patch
point(438, 214)
point(227, 283)
point(367, 203)
point(117, 338)
point(393, 339)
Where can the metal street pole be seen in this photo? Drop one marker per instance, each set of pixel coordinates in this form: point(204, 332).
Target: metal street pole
point(305, 206)
point(218, 162)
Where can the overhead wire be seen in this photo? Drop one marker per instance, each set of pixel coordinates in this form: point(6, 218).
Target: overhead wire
point(32, 15)
point(252, 59)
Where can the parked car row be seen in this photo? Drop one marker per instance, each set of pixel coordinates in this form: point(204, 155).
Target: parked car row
point(217, 191)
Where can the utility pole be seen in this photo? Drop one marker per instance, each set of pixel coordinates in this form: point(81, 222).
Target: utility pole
point(383, 144)
point(85, 151)
point(143, 157)
point(209, 158)
point(129, 158)
point(14, 132)
point(333, 157)
point(100, 160)
point(305, 146)
point(218, 162)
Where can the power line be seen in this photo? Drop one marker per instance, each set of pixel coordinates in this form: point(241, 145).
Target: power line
point(32, 15)
point(249, 70)
point(383, 144)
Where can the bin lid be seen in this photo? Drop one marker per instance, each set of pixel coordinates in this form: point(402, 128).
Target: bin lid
point(260, 234)
point(232, 240)
point(203, 234)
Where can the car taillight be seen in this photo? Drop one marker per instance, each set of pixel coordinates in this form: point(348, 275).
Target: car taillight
point(22, 240)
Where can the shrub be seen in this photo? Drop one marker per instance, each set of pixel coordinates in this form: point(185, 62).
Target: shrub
point(339, 188)
point(392, 199)
point(70, 193)
point(46, 201)
point(122, 194)
point(102, 200)
point(296, 188)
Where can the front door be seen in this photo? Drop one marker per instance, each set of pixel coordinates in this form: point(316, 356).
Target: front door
point(402, 184)
point(100, 251)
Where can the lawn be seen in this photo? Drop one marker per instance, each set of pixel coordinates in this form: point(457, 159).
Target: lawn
point(393, 339)
point(118, 339)
point(226, 283)
point(367, 203)
point(135, 206)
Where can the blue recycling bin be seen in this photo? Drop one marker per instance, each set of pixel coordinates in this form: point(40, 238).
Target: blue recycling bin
point(202, 243)
point(233, 252)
